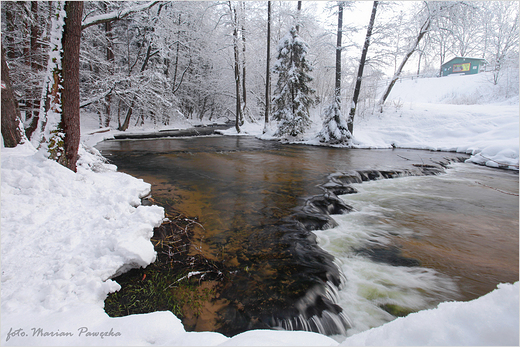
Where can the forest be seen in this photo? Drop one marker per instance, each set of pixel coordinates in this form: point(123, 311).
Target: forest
point(237, 61)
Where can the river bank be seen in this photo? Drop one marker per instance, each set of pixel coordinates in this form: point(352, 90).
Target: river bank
point(66, 273)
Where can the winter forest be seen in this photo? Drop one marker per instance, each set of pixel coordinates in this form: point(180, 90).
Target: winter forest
point(255, 61)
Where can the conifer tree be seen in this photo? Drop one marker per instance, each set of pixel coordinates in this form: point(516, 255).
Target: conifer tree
point(335, 128)
point(292, 97)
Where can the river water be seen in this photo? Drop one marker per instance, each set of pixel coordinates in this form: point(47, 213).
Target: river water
point(408, 243)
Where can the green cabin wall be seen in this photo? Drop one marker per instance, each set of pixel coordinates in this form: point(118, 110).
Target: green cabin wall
point(474, 66)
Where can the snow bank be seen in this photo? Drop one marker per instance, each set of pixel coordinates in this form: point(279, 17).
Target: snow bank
point(64, 233)
point(456, 113)
point(491, 320)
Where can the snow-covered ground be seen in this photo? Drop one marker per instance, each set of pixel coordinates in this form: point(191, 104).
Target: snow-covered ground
point(65, 234)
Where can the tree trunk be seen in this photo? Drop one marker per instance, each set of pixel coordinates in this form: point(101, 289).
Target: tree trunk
point(33, 104)
point(10, 111)
point(268, 69)
point(298, 17)
point(424, 29)
point(337, 87)
point(357, 89)
point(70, 93)
point(244, 92)
point(238, 115)
point(110, 61)
point(419, 65)
point(177, 56)
point(10, 28)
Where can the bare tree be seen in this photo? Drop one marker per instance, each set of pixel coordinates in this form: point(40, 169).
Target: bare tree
point(362, 62)
point(268, 69)
point(243, 33)
point(238, 110)
point(465, 29)
point(110, 57)
point(147, 57)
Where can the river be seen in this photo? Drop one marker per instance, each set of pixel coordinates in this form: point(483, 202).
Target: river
point(407, 243)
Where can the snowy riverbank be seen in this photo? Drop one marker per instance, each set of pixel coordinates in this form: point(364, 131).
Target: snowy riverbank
point(465, 114)
point(65, 234)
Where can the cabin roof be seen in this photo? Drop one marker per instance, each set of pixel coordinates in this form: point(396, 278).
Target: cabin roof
point(465, 58)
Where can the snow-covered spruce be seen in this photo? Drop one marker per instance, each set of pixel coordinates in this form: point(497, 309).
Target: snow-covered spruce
point(292, 96)
point(335, 129)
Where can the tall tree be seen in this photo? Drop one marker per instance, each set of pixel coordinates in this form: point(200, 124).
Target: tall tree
point(335, 129)
point(70, 93)
point(11, 123)
point(362, 62)
point(238, 108)
point(292, 97)
point(243, 33)
point(110, 57)
point(48, 135)
point(268, 69)
point(37, 65)
point(298, 16)
point(58, 126)
point(442, 38)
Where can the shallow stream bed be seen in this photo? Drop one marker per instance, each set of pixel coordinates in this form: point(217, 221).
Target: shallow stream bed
point(408, 244)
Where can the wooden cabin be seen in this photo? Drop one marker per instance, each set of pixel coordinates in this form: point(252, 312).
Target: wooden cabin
point(463, 65)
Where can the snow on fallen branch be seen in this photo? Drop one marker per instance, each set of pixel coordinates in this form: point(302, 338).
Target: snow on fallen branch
point(499, 163)
point(115, 15)
point(193, 273)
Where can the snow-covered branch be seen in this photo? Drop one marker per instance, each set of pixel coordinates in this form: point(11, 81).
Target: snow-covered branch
point(97, 98)
point(115, 15)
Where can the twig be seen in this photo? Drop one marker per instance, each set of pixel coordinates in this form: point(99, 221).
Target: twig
point(498, 190)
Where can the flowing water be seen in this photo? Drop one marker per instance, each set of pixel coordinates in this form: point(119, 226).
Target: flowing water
point(462, 226)
point(408, 244)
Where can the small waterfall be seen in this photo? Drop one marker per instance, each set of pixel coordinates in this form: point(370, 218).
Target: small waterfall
point(318, 311)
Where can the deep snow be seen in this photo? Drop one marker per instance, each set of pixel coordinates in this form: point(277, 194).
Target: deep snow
point(65, 234)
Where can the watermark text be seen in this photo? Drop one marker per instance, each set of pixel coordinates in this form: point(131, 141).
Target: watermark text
point(41, 332)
